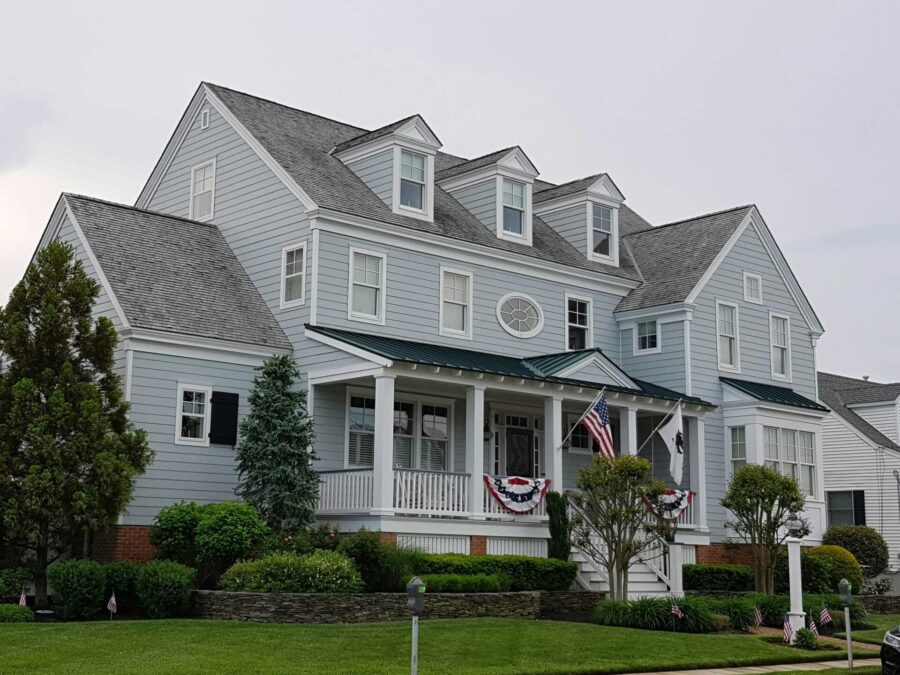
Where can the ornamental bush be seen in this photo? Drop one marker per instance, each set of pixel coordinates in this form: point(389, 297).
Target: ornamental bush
point(12, 581)
point(121, 579)
point(79, 588)
point(656, 614)
point(865, 543)
point(774, 607)
point(15, 614)
point(718, 577)
point(524, 573)
point(739, 610)
point(461, 583)
point(816, 573)
point(843, 566)
point(317, 572)
point(164, 589)
point(383, 566)
point(806, 639)
point(560, 545)
point(174, 533)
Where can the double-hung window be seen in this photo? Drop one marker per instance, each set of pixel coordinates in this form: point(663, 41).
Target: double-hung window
point(647, 336)
point(793, 454)
point(367, 286)
point(192, 423)
point(404, 433)
point(753, 288)
point(203, 189)
point(738, 448)
point(293, 268)
point(514, 207)
point(727, 322)
point(361, 430)
point(780, 327)
point(578, 323)
point(846, 507)
point(434, 442)
point(580, 441)
point(456, 303)
point(602, 230)
point(412, 180)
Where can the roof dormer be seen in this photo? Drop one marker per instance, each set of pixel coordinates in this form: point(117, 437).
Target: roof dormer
point(497, 189)
point(586, 212)
point(397, 163)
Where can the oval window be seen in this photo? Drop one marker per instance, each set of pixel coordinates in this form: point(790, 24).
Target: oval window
point(520, 315)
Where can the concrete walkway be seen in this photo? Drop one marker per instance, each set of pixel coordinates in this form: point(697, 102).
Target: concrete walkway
point(784, 668)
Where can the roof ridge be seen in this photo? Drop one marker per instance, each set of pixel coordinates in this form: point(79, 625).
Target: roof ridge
point(656, 228)
point(862, 383)
point(131, 207)
point(475, 159)
point(569, 182)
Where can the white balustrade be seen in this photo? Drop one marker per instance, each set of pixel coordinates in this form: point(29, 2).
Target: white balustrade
point(686, 517)
point(349, 491)
point(433, 493)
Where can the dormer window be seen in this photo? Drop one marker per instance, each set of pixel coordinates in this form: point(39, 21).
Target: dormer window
point(602, 230)
point(412, 180)
point(513, 207)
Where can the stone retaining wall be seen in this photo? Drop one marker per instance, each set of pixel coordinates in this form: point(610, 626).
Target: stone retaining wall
point(368, 607)
point(880, 604)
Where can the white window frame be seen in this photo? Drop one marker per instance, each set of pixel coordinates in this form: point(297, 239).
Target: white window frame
point(787, 376)
point(747, 297)
point(199, 442)
point(302, 299)
point(204, 118)
point(428, 212)
point(571, 419)
point(780, 461)
point(637, 342)
point(530, 334)
point(526, 236)
point(423, 182)
point(613, 257)
point(448, 332)
point(730, 440)
point(367, 318)
point(212, 199)
point(736, 367)
point(589, 338)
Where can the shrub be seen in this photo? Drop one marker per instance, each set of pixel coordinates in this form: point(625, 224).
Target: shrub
point(876, 586)
point(78, 588)
point(164, 589)
point(227, 532)
point(461, 583)
point(774, 607)
point(739, 610)
point(383, 567)
point(121, 578)
point(656, 614)
point(843, 566)
point(806, 639)
point(12, 581)
point(560, 546)
point(866, 545)
point(816, 573)
point(718, 577)
point(317, 572)
point(523, 572)
point(15, 614)
point(174, 533)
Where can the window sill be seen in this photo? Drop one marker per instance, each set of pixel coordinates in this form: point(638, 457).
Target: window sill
point(290, 304)
point(366, 318)
point(410, 212)
point(729, 369)
point(645, 352)
point(454, 334)
point(752, 301)
point(196, 442)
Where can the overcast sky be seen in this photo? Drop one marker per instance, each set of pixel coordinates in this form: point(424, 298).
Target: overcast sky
point(690, 107)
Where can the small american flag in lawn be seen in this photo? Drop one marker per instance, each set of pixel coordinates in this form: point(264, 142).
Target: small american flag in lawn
point(597, 424)
point(676, 610)
point(22, 601)
point(111, 605)
point(757, 616)
point(788, 631)
point(824, 615)
point(812, 627)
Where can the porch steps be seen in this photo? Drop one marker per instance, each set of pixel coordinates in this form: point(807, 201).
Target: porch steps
point(642, 581)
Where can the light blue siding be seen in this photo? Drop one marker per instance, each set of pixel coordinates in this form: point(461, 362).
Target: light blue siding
point(377, 172)
point(665, 368)
point(570, 223)
point(481, 200)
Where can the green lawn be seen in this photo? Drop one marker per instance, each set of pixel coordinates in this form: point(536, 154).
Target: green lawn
point(459, 646)
point(882, 623)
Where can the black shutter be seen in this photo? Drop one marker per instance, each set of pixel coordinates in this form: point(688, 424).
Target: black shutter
point(859, 507)
point(224, 422)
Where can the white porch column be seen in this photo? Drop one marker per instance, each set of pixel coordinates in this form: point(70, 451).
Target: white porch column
point(697, 438)
point(475, 449)
point(628, 435)
point(553, 435)
point(383, 497)
point(676, 561)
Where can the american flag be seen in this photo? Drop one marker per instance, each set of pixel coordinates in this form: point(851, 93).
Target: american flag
point(111, 605)
point(757, 616)
point(22, 601)
point(597, 423)
point(788, 631)
point(676, 610)
point(824, 615)
point(812, 627)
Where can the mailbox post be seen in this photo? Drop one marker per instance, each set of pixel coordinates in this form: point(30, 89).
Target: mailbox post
point(415, 601)
point(845, 588)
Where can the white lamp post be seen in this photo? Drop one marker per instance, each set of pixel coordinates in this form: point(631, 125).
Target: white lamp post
point(796, 617)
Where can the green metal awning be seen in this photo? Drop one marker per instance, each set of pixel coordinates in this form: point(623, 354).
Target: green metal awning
point(772, 394)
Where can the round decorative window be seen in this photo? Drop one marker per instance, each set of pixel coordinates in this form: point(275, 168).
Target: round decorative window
point(520, 315)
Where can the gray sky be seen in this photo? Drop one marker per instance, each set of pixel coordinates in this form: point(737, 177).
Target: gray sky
point(690, 106)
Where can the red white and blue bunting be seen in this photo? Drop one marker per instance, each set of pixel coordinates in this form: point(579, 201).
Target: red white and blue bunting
point(672, 503)
point(517, 494)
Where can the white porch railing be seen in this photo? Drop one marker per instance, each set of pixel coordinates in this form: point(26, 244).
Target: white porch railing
point(686, 517)
point(493, 510)
point(432, 493)
point(347, 491)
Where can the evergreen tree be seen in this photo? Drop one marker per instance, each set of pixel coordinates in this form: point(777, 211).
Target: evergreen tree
point(68, 454)
point(275, 454)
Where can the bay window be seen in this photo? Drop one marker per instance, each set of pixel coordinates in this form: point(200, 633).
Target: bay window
point(793, 454)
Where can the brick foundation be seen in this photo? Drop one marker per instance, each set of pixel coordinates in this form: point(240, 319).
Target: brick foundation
point(388, 537)
point(124, 542)
point(477, 545)
point(725, 554)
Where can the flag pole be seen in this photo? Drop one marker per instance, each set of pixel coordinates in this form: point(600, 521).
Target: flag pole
point(583, 415)
point(664, 420)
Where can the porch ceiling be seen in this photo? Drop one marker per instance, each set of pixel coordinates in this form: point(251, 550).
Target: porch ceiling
point(407, 351)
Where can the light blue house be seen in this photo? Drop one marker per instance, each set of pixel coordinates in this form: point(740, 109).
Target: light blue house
point(451, 318)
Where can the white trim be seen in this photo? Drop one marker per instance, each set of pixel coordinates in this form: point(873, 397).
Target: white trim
point(342, 374)
point(603, 190)
point(212, 198)
point(687, 358)
point(613, 257)
point(129, 369)
point(598, 359)
point(736, 368)
point(530, 334)
point(665, 313)
point(720, 256)
point(446, 332)
point(285, 304)
point(313, 334)
point(187, 351)
point(748, 276)
point(526, 236)
point(207, 414)
point(589, 340)
point(378, 318)
point(788, 375)
point(314, 279)
point(423, 141)
point(636, 350)
point(204, 118)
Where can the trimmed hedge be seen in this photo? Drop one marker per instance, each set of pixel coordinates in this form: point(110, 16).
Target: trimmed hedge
point(317, 572)
point(164, 589)
point(460, 583)
point(12, 581)
point(843, 566)
point(816, 573)
point(656, 614)
point(865, 543)
point(383, 566)
point(523, 573)
point(78, 588)
point(15, 614)
point(121, 579)
point(774, 607)
point(718, 578)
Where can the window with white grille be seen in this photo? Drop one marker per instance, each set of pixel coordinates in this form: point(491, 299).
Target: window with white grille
point(203, 190)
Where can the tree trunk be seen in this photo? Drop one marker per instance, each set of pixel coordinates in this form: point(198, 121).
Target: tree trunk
point(625, 584)
point(41, 601)
point(611, 580)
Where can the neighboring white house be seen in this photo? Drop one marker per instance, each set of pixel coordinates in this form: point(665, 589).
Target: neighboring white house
point(861, 456)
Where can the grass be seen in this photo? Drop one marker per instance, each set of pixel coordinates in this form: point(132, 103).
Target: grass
point(446, 646)
point(882, 623)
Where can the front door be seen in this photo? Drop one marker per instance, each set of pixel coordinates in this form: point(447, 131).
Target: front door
point(519, 457)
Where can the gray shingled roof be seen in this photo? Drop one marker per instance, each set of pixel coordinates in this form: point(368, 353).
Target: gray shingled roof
point(672, 258)
point(565, 189)
point(838, 392)
point(176, 275)
point(371, 135)
point(301, 143)
point(473, 164)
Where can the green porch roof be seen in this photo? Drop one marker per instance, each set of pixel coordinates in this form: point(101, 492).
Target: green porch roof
point(772, 394)
point(530, 368)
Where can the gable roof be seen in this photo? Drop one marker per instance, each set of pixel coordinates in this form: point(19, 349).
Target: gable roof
point(572, 187)
point(673, 258)
point(472, 164)
point(771, 393)
point(376, 134)
point(175, 275)
point(839, 391)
